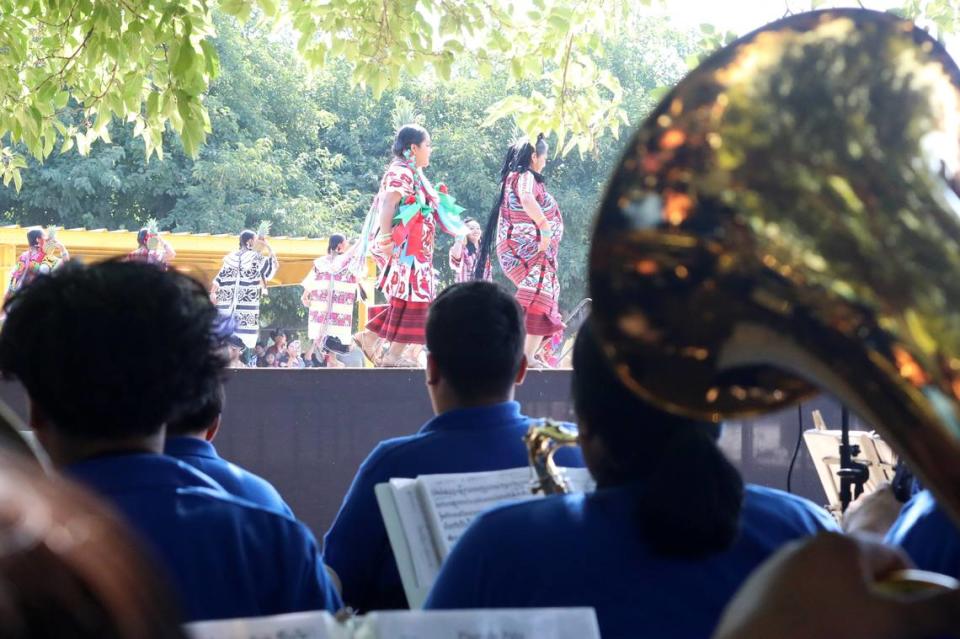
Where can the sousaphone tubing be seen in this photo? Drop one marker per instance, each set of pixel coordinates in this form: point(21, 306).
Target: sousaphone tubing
point(788, 219)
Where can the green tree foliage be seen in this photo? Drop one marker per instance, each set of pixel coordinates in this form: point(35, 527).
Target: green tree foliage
point(70, 67)
point(306, 152)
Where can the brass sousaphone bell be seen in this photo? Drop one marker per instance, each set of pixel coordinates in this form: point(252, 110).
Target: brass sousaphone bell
point(788, 219)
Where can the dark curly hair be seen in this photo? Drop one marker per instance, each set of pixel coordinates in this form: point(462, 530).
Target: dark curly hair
point(115, 349)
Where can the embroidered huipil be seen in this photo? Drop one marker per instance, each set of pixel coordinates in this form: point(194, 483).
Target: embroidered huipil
point(241, 280)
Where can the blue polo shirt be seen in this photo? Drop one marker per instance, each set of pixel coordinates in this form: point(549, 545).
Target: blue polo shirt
point(927, 535)
point(460, 441)
point(225, 557)
point(203, 456)
point(583, 550)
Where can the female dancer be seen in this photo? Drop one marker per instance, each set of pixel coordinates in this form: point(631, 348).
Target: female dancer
point(402, 224)
point(463, 254)
point(44, 255)
point(237, 287)
point(329, 291)
point(527, 226)
point(151, 248)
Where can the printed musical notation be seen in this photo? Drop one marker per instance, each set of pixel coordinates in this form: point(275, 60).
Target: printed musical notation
point(456, 500)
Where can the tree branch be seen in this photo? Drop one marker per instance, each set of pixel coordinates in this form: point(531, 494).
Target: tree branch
point(69, 61)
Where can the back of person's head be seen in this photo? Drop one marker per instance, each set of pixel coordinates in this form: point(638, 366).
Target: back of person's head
point(334, 242)
point(34, 236)
point(69, 568)
point(197, 421)
point(475, 335)
point(688, 494)
point(246, 236)
point(113, 350)
point(142, 236)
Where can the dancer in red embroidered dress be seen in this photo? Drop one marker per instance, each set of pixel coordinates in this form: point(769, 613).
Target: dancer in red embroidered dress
point(464, 252)
point(151, 248)
point(526, 227)
point(44, 255)
point(402, 225)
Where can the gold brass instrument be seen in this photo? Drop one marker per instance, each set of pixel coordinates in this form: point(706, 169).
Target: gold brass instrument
point(788, 218)
point(543, 439)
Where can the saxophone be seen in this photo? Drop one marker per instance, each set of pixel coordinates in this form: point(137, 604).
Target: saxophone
point(543, 439)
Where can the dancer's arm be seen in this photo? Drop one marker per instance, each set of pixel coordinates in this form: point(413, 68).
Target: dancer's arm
point(456, 252)
point(532, 208)
point(388, 207)
point(64, 253)
point(168, 252)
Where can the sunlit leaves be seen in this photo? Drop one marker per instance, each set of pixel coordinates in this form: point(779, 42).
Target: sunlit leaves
point(70, 67)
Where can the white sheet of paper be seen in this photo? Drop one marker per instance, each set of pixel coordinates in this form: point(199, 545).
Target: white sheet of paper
point(298, 625)
point(453, 501)
point(423, 552)
point(514, 623)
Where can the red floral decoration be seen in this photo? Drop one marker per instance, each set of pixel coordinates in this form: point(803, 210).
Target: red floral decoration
point(410, 199)
point(443, 188)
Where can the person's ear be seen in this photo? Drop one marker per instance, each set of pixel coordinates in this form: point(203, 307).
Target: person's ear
point(212, 429)
point(521, 371)
point(433, 371)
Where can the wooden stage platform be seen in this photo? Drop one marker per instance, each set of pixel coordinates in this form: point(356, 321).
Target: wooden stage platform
point(307, 430)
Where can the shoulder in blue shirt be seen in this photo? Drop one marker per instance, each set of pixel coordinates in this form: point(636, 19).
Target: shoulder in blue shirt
point(225, 556)
point(459, 441)
point(579, 550)
point(203, 456)
point(927, 535)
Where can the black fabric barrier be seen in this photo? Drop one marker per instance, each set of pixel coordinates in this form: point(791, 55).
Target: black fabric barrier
point(306, 431)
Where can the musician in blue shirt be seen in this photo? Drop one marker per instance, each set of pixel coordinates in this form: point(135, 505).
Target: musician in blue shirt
point(661, 546)
point(190, 439)
point(475, 339)
point(927, 535)
point(108, 354)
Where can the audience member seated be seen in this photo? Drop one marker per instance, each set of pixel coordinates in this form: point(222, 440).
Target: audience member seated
point(660, 547)
point(290, 358)
point(475, 341)
point(190, 439)
point(927, 535)
point(99, 396)
point(235, 348)
point(823, 588)
point(278, 345)
point(70, 568)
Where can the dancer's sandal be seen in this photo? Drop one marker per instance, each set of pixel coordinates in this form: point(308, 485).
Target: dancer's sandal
point(400, 362)
point(368, 350)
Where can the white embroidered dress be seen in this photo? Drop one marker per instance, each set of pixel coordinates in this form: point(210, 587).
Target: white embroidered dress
point(241, 280)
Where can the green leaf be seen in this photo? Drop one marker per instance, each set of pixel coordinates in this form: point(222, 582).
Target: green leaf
point(184, 58)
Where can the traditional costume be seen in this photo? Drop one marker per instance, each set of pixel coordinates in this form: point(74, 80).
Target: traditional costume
point(33, 262)
point(147, 255)
point(533, 272)
point(331, 288)
point(406, 272)
point(241, 280)
point(464, 265)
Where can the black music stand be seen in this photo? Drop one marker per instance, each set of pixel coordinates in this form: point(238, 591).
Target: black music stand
point(852, 474)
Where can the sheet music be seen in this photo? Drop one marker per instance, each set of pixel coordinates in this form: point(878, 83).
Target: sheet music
point(453, 501)
point(298, 625)
point(424, 553)
point(525, 623)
